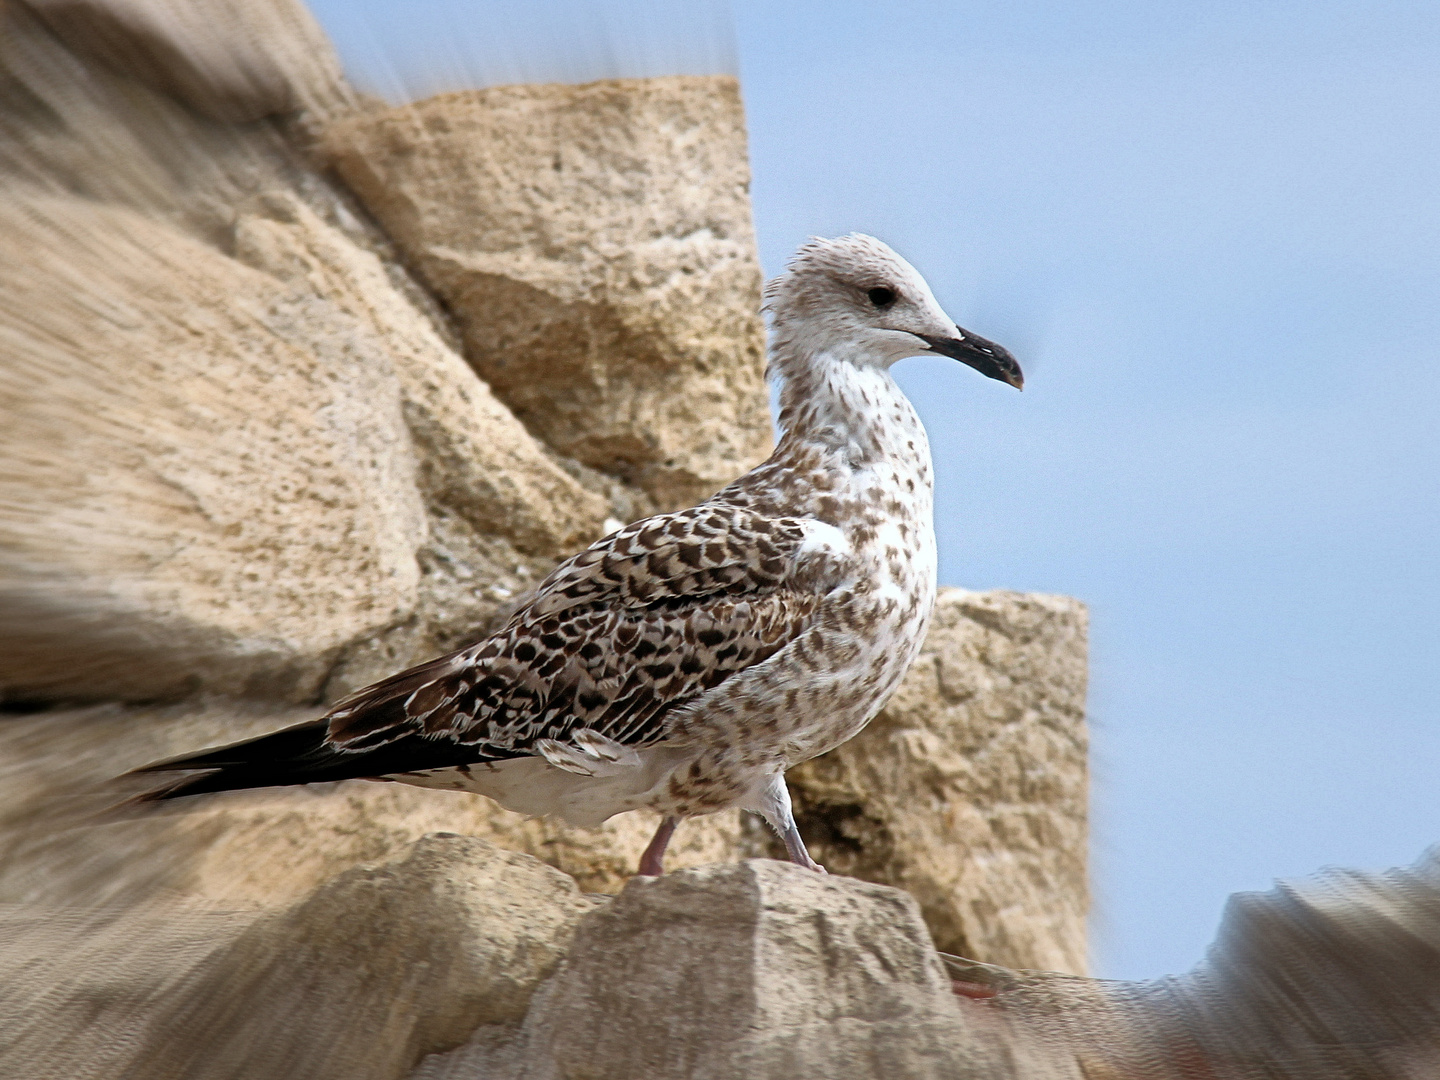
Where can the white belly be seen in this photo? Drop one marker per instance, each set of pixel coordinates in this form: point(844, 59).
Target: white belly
point(531, 785)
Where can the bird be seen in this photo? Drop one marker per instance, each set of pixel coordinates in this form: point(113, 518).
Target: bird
point(684, 662)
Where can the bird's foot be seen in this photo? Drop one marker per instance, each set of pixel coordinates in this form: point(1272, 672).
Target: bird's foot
point(802, 858)
point(772, 802)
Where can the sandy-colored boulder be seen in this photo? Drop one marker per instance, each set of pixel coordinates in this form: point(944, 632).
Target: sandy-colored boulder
point(373, 970)
point(235, 60)
point(476, 459)
point(457, 961)
point(241, 452)
point(71, 126)
point(595, 245)
point(206, 484)
point(970, 790)
point(752, 970)
point(358, 981)
point(79, 986)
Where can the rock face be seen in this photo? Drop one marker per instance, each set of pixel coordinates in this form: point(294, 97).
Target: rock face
point(374, 969)
point(971, 789)
point(358, 981)
point(294, 402)
point(596, 247)
point(754, 970)
point(241, 455)
point(459, 961)
point(235, 60)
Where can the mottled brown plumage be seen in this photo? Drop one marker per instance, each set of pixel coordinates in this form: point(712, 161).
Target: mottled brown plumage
point(685, 661)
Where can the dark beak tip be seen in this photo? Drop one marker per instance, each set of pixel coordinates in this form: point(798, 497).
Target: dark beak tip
point(991, 360)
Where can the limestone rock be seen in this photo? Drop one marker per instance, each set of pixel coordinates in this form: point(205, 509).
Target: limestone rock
point(752, 970)
point(72, 127)
point(595, 244)
point(356, 982)
point(268, 849)
point(476, 458)
point(241, 452)
point(970, 789)
point(373, 970)
point(207, 484)
point(79, 986)
point(235, 60)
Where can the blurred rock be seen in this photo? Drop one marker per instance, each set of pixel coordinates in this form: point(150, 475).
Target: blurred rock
point(270, 483)
point(71, 127)
point(458, 961)
point(233, 60)
point(79, 987)
point(209, 483)
point(1332, 977)
point(595, 245)
point(357, 982)
point(970, 790)
point(373, 970)
point(58, 846)
point(752, 970)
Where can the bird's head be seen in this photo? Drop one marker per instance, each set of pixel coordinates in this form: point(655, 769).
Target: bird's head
point(855, 297)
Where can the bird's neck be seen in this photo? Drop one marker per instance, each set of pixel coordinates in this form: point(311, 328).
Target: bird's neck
point(852, 453)
point(847, 411)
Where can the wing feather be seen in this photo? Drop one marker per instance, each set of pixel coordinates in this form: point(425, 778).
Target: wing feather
point(617, 638)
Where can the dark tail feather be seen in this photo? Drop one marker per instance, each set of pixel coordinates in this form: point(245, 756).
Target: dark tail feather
point(302, 755)
point(296, 755)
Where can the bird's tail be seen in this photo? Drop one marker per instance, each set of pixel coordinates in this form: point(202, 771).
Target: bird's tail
point(295, 755)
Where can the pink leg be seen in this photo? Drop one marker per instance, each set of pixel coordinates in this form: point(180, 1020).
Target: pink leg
point(974, 990)
point(652, 863)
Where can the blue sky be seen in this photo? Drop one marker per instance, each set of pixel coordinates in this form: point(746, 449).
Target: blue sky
point(1211, 234)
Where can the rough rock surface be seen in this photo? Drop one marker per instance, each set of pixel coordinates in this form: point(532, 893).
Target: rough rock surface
point(458, 961)
point(248, 461)
point(595, 245)
point(971, 789)
point(753, 970)
point(358, 981)
point(241, 455)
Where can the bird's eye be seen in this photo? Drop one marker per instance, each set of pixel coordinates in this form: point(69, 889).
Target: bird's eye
point(881, 297)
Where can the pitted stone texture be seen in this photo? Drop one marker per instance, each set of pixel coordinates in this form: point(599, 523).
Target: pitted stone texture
point(753, 970)
point(59, 846)
point(476, 458)
point(233, 60)
point(595, 244)
point(970, 789)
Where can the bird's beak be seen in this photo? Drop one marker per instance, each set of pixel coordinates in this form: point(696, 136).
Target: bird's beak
point(984, 356)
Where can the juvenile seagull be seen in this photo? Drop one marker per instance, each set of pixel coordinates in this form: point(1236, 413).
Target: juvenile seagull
point(686, 661)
